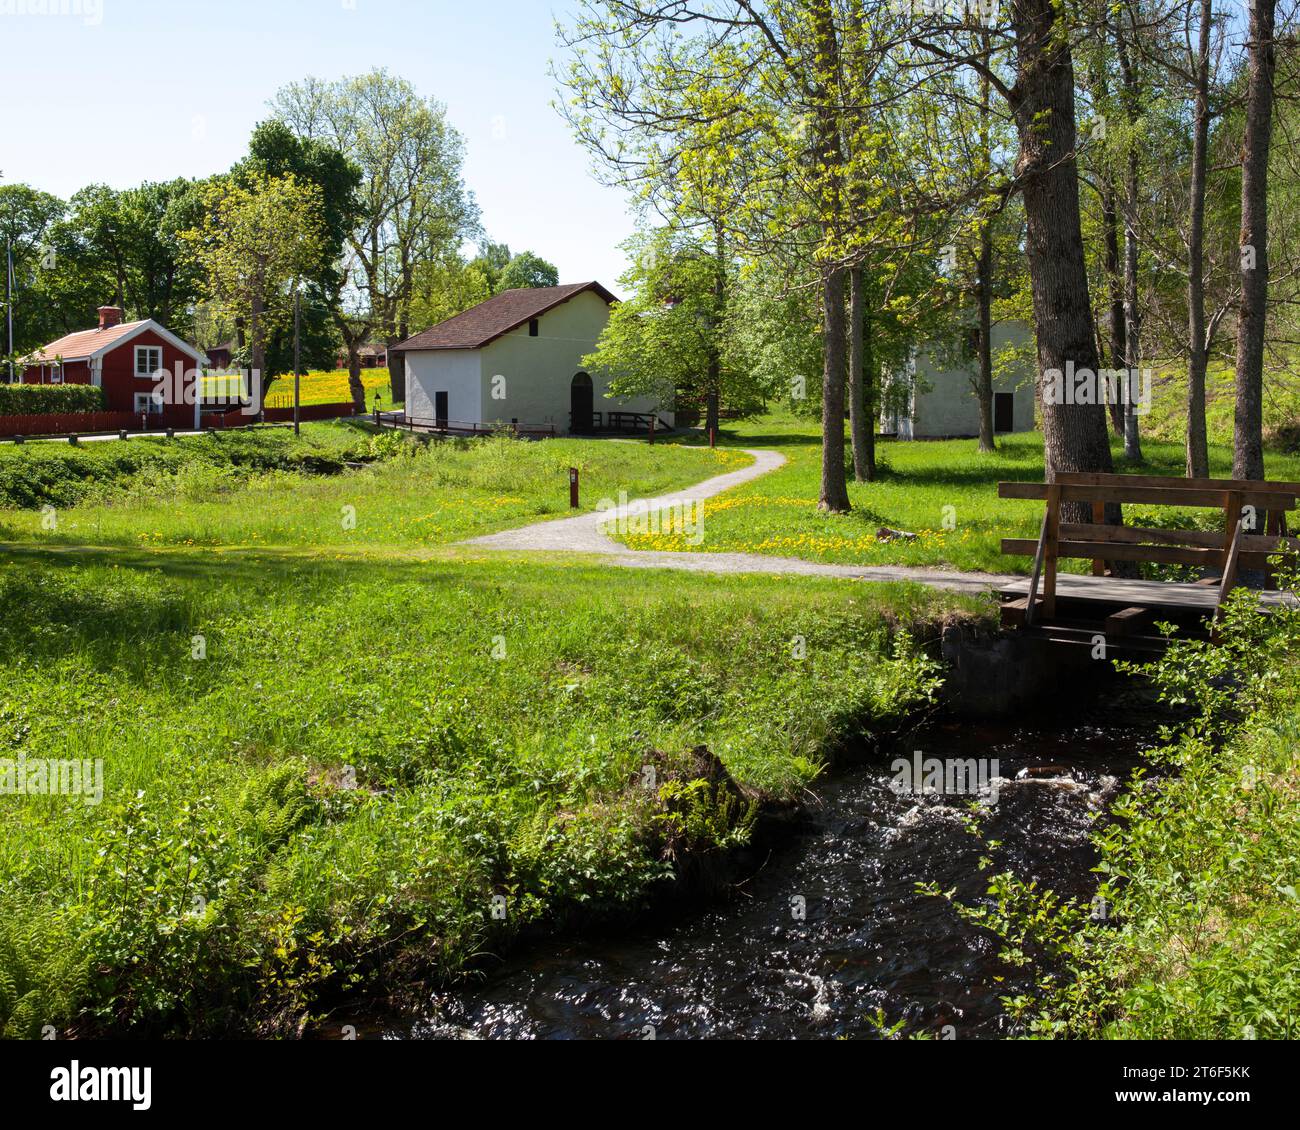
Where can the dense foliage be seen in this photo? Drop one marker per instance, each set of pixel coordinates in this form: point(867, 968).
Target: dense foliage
point(29, 400)
point(1195, 930)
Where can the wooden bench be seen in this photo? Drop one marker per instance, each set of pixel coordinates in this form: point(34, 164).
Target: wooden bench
point(1247, 507)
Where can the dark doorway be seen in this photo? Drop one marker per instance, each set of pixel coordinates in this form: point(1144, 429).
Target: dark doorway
point(440, 409)
point(581, 405)
point(1004, 412)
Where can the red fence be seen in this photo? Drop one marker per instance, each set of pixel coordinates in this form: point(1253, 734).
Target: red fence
point(180, 417)
point(65, 423)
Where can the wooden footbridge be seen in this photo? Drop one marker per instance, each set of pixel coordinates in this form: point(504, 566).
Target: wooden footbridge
point(1251, 531)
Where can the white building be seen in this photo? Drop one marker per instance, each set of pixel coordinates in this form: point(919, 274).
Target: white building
point(517, 358)
point(934, 396)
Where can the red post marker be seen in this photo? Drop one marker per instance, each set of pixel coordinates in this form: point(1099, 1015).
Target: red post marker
point(573, 488)
point(652, 430)
point(713, 437)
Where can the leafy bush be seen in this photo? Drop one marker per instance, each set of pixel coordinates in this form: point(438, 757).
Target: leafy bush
point(32, 400)
point(1200, 938)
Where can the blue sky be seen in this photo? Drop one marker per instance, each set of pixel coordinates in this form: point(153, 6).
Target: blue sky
point(154, 89)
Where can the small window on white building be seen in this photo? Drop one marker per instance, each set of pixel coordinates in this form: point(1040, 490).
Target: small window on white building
point(148, 360)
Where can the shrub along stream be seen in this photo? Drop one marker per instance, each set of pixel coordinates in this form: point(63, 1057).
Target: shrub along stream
point(1195, 932)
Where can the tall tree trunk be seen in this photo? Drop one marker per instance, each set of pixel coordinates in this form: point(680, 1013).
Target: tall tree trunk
point(859, 410)
point(1115, 285)
point(1074, 435)
point(872, 405)
point(397, 363)
point(713, 393)
point(356, 389)
point(1248, 440)
point(984, 273)
point(712, 404)
point(1132, 311)
point(835, 488)
point(829, 157)
point(984, 293)
point(1198, 454)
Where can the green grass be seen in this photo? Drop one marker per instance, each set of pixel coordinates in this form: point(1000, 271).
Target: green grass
point(327, 752)
point(316, 387)
point(923, 488)
point(246, 489)
point(1200, 939)
point(36, 475)
point(1167, 419)
point(374, 749)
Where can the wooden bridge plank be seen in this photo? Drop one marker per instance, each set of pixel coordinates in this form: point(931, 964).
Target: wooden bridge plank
point(1154, 594)
point(1155, 554)
point(1127, 621)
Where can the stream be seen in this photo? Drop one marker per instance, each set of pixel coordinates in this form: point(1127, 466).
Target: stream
point(830, 929)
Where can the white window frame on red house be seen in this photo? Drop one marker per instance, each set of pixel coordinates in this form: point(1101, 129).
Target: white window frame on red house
point(148, 404)
point(148, 373)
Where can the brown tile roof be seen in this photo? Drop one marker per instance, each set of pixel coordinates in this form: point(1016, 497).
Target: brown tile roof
point(497, 316)
point(82, 344)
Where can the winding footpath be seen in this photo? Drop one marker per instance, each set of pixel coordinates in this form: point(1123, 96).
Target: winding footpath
point(586, 534)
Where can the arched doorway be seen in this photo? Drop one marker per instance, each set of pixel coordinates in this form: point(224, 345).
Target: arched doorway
point(582, 403)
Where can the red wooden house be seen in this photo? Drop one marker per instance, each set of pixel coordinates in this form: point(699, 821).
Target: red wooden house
point(127, 360)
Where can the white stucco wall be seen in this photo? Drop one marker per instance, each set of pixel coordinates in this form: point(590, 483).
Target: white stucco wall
point(538, 371)
point(456, 372)
point(948, 405)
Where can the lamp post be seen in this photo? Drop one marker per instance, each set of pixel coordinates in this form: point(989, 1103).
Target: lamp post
point(297, 359)
point(9, 299)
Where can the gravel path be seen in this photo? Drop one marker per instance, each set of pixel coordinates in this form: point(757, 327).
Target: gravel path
point(585, 534)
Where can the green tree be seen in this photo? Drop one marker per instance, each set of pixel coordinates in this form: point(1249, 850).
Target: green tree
point(261, 236)
point(667, 341)
point(446, 287)
point(527, 270)
point(275, 150)
point(413, 202)
point(27, 219)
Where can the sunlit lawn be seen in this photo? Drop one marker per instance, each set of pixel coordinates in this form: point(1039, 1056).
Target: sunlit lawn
point(317, 387)
point(944, 492)
point(425, 495)
point(321, 768)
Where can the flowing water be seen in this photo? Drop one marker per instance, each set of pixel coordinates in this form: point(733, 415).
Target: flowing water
point(866, 941)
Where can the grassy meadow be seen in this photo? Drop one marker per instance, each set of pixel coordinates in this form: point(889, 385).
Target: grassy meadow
point(1167, 419)
point(317, 387)
point(336, 763)
point(923, 488)
point(362, 488)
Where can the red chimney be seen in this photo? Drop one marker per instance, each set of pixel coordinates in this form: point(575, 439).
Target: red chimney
point(110, 316)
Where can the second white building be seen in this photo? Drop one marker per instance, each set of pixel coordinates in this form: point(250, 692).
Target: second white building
point(517, 358)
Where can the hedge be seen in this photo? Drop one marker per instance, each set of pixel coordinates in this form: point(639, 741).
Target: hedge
point(32, 400)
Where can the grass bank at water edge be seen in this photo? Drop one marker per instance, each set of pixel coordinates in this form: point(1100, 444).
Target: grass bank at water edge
point(322, 778)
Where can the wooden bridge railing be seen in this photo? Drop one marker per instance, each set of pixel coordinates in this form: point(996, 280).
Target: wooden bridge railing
point(1246, 506)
